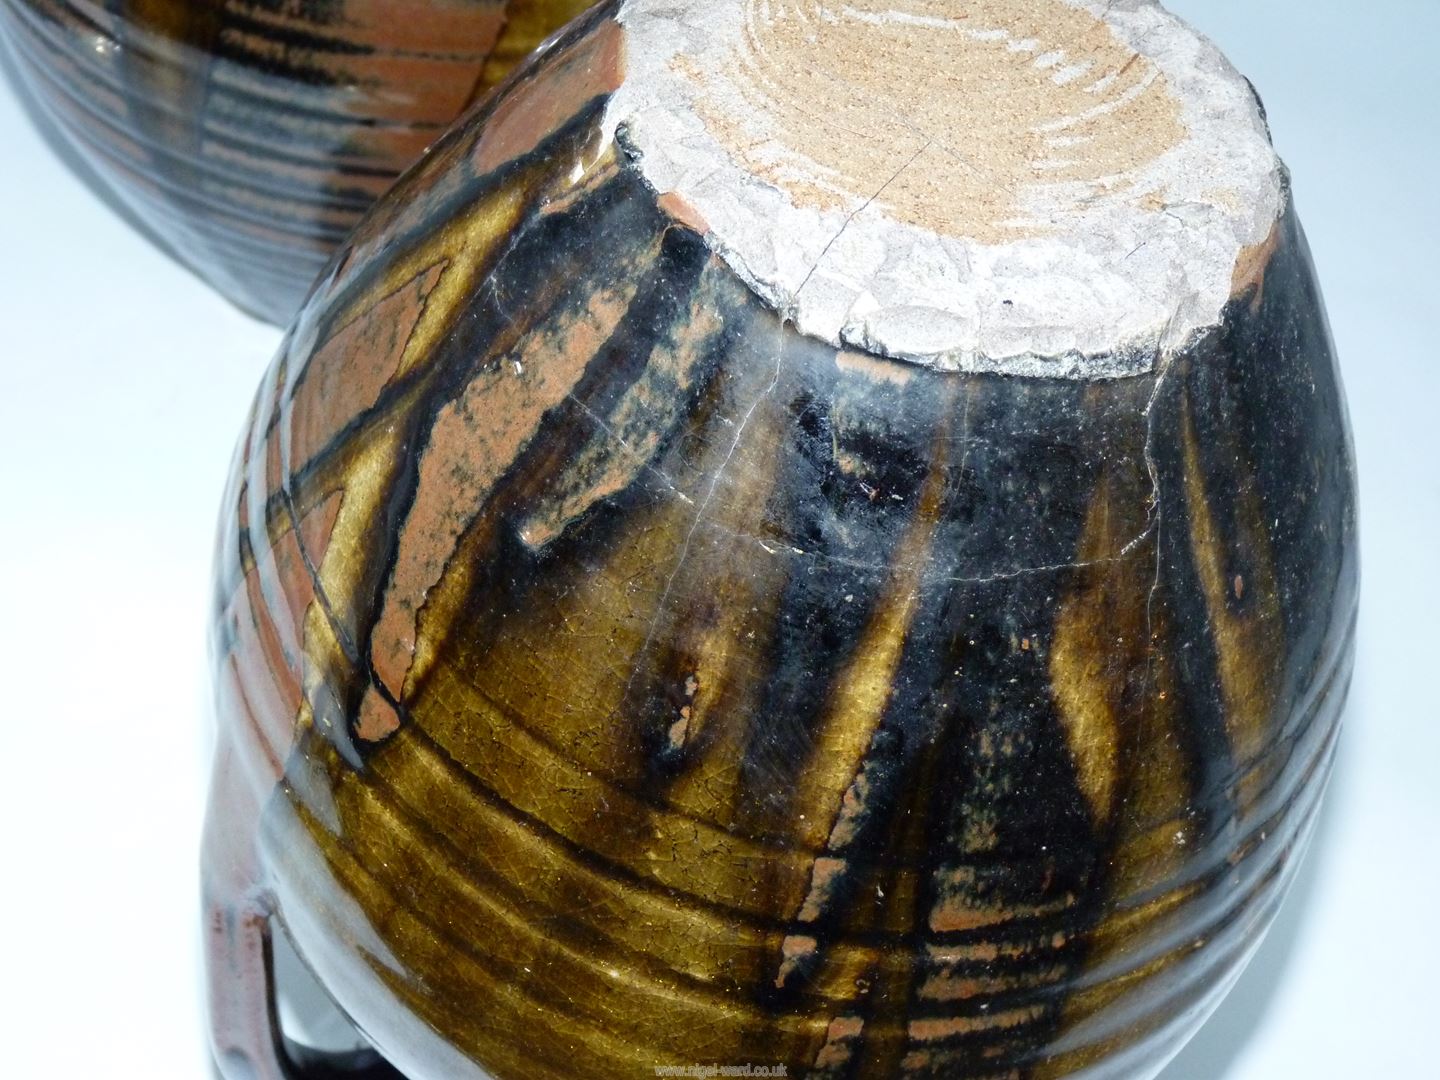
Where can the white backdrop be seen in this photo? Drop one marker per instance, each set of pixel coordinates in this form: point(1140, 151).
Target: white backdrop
point(123, 383)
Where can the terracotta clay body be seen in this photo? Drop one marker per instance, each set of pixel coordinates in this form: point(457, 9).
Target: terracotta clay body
point(250, 135)
point(626, 662)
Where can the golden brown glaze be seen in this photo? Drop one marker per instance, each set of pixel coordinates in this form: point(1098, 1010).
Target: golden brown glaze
point(250, 135)
point(613, 677)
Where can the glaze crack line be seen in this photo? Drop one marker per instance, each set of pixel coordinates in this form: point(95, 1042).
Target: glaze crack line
point(1163, 365)
point(965, 439)
point(649, 467)
point(1054, 567)
point(491, 284)
point(700, 513)
point(955, 579)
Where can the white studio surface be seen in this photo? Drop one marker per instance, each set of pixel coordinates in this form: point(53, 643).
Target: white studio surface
point(125, 385)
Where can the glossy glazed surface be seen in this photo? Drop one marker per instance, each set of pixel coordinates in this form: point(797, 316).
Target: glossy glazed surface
point(613, 677)
point(252, 134)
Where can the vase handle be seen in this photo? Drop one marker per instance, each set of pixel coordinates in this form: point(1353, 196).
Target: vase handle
point(244, 1025)
point(245, 1033)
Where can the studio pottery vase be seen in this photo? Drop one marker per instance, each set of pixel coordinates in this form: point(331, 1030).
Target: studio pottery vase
point(803, 537)
point(250, 135)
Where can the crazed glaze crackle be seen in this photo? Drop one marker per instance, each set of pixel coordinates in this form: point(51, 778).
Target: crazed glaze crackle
point(803, 534)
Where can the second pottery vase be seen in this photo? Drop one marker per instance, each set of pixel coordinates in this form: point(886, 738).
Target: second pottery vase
point(250, 135)
point(818, 538)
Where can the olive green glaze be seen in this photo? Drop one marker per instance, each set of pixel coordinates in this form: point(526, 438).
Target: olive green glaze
point(613, 677)
point(250, 135)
